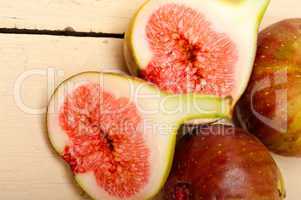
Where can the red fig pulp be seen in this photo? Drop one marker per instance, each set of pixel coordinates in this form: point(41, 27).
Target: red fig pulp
point(188, 55)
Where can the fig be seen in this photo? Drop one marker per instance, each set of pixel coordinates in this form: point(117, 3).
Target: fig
point(271, 106)
point(223, 163)
point(201, 46)
point(118, 133)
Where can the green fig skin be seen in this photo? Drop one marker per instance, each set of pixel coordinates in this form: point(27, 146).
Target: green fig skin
point(223, 163)
point(271, 106)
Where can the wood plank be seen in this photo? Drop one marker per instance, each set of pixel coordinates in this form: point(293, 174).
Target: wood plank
point(98, 15)
point(29, 169)
point(89, 15)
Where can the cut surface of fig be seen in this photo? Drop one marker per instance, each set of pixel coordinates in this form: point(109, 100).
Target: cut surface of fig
point(118, 133)
point(188, 60)
point(200, 46)
point(111, 152)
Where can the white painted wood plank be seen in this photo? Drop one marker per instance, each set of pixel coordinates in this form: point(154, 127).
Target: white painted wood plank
point(290, 168)
point(98, 15)
point(279, 10)
point(29, 169)
point(81, 15)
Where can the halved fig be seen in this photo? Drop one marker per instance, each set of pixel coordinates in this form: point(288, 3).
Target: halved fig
point(118, 133)
point(201, 46)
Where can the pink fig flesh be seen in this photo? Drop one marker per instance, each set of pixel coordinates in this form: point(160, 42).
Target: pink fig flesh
point(106, 144)
point(188, 55)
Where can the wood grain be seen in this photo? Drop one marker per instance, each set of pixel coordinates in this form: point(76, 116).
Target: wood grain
point(88, 15)
point(29, 169)
point(98, 15)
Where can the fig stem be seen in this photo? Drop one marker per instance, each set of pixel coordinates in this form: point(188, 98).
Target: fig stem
point(183, 108)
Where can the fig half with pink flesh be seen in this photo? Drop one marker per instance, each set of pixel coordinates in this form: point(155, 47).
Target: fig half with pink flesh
point(118, 133)
point(201, 46)
point(271, 107)
point(223, 163)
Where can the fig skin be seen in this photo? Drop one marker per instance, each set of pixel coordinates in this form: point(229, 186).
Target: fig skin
point(223, 163)
point(271, 106)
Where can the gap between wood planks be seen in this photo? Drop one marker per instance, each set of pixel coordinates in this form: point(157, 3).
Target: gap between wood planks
point(65, 32)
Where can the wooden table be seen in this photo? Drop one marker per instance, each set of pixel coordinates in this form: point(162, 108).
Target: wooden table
point(35, 62)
